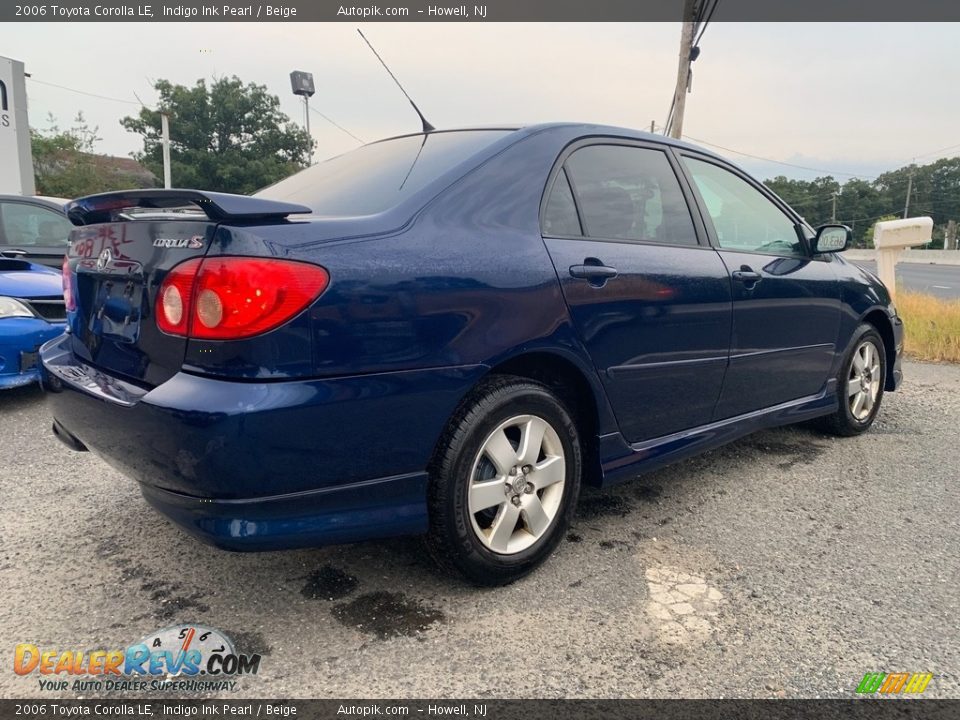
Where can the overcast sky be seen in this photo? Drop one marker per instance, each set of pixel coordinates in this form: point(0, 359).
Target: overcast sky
point(856, 99)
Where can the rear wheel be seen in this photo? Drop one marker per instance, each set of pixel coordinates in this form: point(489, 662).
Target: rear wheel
point(505, 482)
point(859, 385)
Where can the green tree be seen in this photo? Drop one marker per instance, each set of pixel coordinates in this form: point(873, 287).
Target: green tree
point(813, 199)
point(228, 137)
point(63, 163)
point(934, 191)
point(858, 203)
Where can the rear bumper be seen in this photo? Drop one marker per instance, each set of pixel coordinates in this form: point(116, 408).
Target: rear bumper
point(253, 465)
point(361, 511)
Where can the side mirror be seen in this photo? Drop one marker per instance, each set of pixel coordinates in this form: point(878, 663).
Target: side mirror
point(832, 238)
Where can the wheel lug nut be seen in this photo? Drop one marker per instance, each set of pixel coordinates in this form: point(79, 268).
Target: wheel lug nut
point(515, 499)
point(527, 469)
point(529, 488)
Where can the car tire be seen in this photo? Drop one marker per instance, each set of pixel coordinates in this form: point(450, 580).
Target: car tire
point(512, 436)
point(859, 385)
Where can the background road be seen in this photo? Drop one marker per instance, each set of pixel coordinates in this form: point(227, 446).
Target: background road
point(787, 564)
point(940, 280)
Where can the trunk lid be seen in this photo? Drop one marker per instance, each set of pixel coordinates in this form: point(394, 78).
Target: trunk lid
point(118, 257)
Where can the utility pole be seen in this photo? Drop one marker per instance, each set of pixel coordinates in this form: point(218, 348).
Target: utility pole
point(906, 205)
point(833, 216)
point(306, 114)
point(653, 127)
point(683, 69)
point(165, 140)
point(950, 236)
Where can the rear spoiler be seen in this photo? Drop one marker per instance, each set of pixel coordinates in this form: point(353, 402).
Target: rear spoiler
point(218, 207)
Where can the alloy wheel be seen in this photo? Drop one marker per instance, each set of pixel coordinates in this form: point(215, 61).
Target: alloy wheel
point(863, 381)
point(516, 486)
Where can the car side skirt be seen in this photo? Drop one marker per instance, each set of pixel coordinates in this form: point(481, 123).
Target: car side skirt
point(622, 462)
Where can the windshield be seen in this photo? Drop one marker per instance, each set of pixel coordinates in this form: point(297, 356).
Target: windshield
point(378, 176)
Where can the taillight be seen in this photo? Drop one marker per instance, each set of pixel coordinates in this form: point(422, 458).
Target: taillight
point(68, 297)
point(173, 300)
point(229, 298)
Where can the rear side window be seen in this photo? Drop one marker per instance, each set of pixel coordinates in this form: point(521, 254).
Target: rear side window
point(377, 177)
point(26, 225)
point(560, 216)
point(630, 193)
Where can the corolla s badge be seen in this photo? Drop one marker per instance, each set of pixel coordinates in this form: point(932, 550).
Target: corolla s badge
point(104, 259)
point(194, 243)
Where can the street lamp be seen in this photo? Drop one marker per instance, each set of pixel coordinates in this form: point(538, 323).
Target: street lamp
point(302, 84)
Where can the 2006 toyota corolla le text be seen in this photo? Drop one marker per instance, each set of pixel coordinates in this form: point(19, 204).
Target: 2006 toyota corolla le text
point(462, 327)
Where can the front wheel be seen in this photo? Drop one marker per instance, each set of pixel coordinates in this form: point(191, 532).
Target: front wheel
point(505, 482)
point(859, 385)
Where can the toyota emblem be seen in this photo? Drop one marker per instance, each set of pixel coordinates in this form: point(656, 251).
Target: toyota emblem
point(104, 259)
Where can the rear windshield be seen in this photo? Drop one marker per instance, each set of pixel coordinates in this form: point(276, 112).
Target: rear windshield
point(378, 176)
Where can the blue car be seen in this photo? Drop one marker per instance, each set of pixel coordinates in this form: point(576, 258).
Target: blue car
point(31, 312)
point(447, 333)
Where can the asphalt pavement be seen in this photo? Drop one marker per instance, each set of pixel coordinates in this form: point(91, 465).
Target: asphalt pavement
point(942, 281)
point(787, 564)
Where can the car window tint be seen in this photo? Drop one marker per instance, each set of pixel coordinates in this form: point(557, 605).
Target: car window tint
point(378, 176)
point(743, 217)
point(630, 193)
point(560, 216)
point(26, 225)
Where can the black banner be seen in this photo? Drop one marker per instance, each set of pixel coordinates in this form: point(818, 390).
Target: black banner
point(853, 709)
point(489, 11)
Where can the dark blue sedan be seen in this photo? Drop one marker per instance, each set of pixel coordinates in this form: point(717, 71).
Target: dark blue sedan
point(447, 333)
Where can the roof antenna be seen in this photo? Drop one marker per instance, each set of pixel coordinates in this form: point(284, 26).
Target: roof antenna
point(427, 127)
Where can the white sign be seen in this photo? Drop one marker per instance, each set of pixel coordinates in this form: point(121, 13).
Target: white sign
point(16, 161)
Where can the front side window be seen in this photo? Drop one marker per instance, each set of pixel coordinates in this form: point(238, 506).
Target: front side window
point(26, 225)
point(629, 193)
point(743, 217)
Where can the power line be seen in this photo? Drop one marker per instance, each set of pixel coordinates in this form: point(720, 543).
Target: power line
point(949, 196)
point(338, 126)
point(84, 92)
point(698, 15)
point(892, 213)
point(706, 19)
point(936, 152)
point(806, 200)
point(780, 162)
point(673, 105)
point(139, 103)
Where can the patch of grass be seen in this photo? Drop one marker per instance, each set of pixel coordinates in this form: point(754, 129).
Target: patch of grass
point(932, 326)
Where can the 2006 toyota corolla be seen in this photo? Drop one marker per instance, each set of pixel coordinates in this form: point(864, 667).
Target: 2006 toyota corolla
point(461, 328)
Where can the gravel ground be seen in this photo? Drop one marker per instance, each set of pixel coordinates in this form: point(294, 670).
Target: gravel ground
point(787, 564)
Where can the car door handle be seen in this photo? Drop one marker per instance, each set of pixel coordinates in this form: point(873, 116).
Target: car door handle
point(747, 276)
point(593, 272)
